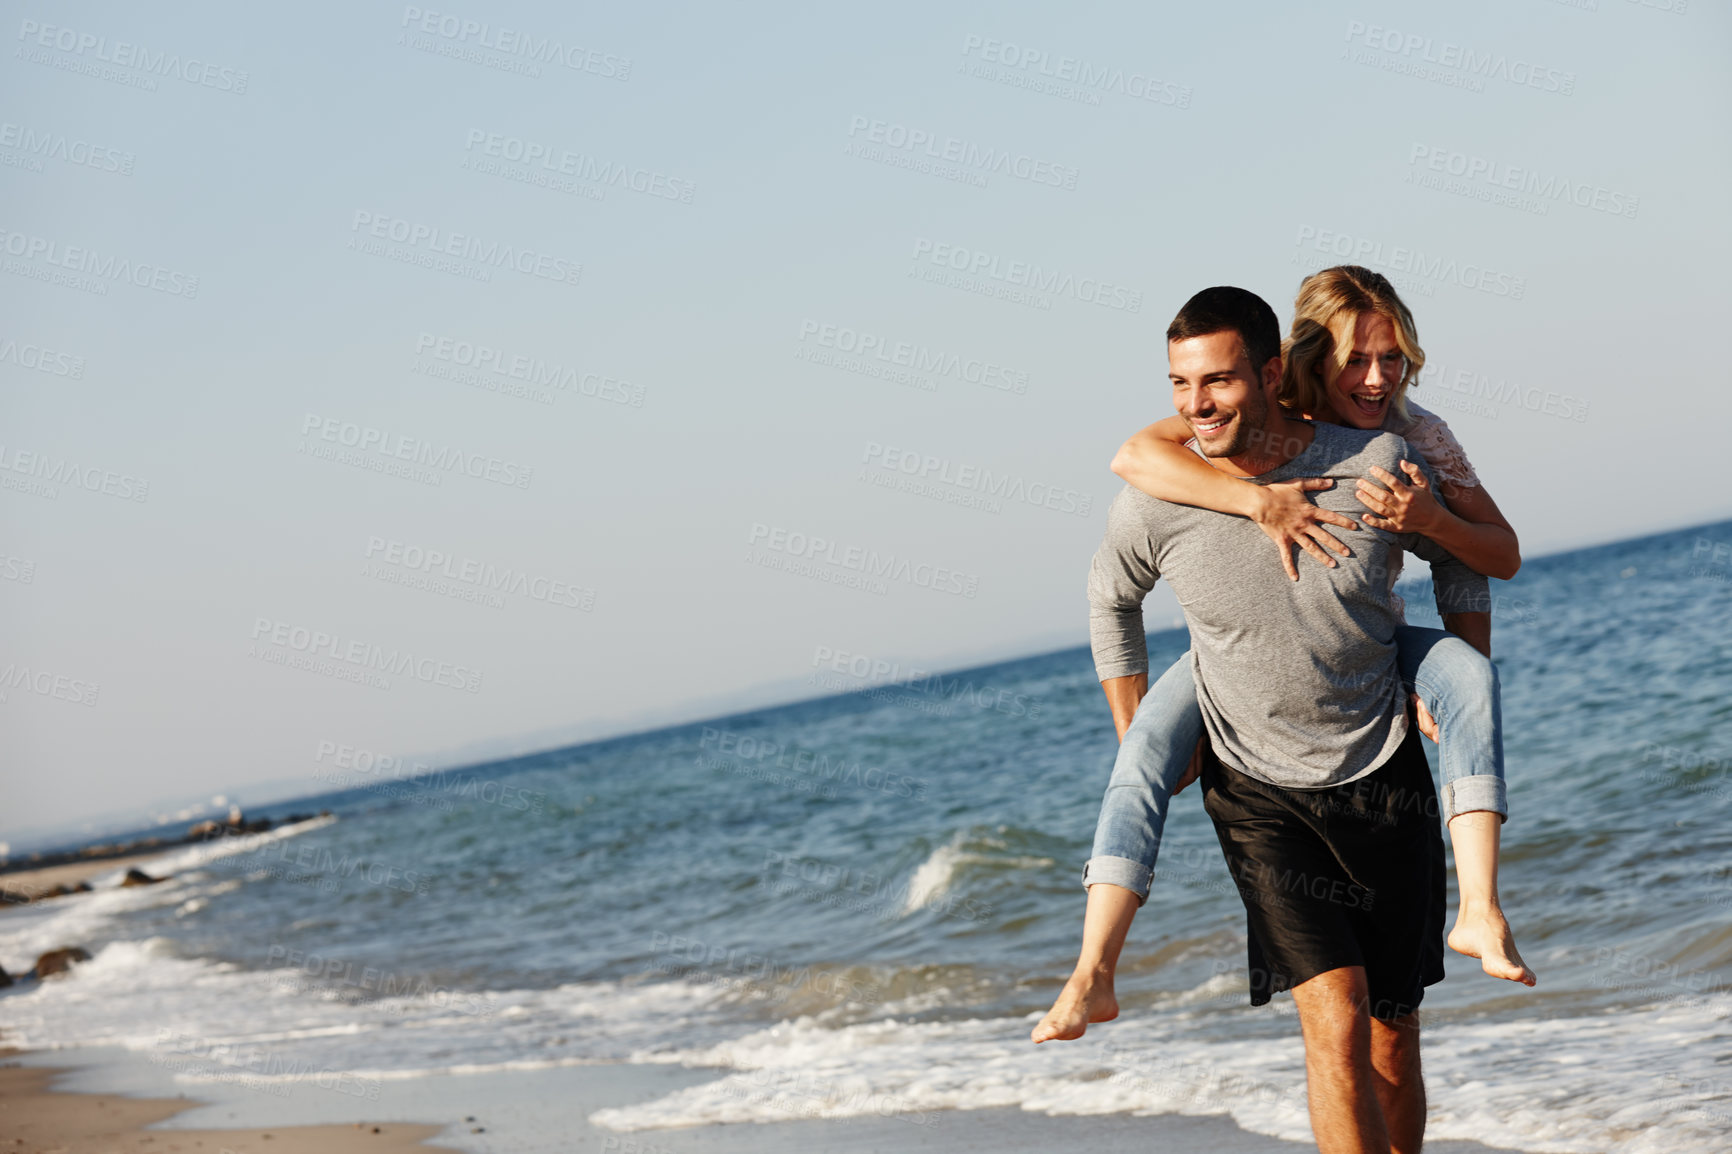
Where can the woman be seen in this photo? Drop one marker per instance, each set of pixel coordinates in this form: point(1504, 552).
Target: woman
point(1352, 354)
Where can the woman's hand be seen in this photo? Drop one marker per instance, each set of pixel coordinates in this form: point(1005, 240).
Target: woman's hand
point(1195, 769)
point(1290, 519)
point(1422, 716)
point(1400, 507)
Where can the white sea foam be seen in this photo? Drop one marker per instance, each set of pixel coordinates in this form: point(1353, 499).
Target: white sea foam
point(28, 931)
point(1644, 1080)
point(933, 878)
point(140, 996)
point(202, 853)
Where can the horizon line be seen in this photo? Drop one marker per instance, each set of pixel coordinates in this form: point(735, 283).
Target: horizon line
point(700, 717)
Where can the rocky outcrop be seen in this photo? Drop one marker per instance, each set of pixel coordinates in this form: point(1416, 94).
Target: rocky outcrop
point(137, 877)
point(234, 825)
point(59, 961)
point(61, 891)
point(21, 897)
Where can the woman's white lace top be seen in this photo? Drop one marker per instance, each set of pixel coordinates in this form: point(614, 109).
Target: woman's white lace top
point(1430, 437)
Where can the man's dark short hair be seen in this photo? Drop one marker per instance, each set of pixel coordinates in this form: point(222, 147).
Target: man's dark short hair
point(1225, 308)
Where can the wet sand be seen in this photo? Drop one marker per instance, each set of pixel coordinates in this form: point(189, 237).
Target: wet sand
point(548, 1110)
point(37, 1120)
point(28, 884)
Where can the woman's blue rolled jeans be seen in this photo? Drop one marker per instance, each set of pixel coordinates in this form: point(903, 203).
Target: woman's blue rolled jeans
point(1457, 683)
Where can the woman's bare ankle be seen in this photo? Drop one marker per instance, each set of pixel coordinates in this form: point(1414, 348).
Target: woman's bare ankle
point(1479, 909)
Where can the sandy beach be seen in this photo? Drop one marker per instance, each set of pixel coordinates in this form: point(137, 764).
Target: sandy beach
point(30, 884)
point(37, 1119)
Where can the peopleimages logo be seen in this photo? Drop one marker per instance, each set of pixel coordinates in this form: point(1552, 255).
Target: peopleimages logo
point(881, 674)
point(917, 358)
point(1410, 266)
point(867, 563)
point(324, 973)
point(432, 241)
point(516, 42)
point(45, 144)
point(1501, 391)
point(46, 683)
point(834, 885)
point(252, 1067)
point(1087, 77)
point(387, 772)
point(365, 439)
point(1497, 176)
point(42, 360)
point(50, 471)
point(983, 159)
point(317, 644)
point(1413, 49)
point(124, 54)
point(836, 769)
point(578, 165)
point(975, 479)
point(102, 266)
point(535, 372)
point(1024, 275)
point(480, 574)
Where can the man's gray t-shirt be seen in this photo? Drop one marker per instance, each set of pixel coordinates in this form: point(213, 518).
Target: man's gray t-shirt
point(1297, 680)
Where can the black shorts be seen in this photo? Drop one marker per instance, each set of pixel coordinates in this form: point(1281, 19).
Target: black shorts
point(1349, 876)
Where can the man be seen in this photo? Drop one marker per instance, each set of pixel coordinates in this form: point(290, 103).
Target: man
point(1318, 789)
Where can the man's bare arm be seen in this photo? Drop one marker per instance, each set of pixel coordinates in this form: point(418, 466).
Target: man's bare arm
point(1473, 628)
point(1124, 694)
point(1156, 461)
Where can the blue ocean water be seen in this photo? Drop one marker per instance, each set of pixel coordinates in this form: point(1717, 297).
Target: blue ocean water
point(861, 903)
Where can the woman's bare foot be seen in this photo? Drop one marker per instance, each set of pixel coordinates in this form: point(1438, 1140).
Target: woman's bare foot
point(1087, 997)
point(1482, 932)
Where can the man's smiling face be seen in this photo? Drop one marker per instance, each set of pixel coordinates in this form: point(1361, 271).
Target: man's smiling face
point(1218, 393)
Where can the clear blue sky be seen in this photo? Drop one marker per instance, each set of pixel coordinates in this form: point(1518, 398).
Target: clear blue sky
point(738, 194)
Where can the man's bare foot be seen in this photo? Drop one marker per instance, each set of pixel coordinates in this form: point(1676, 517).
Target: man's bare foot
point(1087, 997)
point(1482, 932)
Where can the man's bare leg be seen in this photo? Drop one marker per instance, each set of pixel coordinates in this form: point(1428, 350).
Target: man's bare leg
point(1088, 995)
point(1400, 1086)
point(1340, 1080)
point(1481, 930)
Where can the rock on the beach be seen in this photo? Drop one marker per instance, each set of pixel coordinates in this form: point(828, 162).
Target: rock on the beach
point(5, 978)
point(137, 877)
point(56, 961)
point(230, 826)
point(18, 897)
point(62, 890)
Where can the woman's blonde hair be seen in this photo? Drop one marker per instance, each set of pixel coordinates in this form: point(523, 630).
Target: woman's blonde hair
point(1328, 307)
